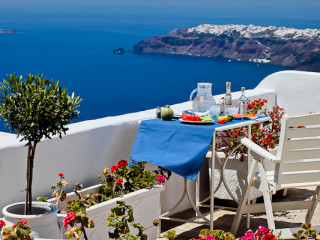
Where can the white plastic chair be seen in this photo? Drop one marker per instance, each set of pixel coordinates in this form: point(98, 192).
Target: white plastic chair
point(297, 164)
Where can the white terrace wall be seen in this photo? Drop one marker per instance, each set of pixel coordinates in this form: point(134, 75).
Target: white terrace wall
point(296, 91)
point(88, 148)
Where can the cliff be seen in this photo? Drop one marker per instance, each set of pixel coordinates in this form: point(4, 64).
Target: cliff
point(295, 48)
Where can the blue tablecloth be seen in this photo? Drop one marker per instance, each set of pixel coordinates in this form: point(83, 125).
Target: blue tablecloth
point(173, 145)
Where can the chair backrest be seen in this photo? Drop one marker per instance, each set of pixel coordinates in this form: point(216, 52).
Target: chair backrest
point(299, 151)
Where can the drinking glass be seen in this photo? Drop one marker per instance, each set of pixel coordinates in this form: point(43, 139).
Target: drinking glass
point(233, 110)
point(214, 110)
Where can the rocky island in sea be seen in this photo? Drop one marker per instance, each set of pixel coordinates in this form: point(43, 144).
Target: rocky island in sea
point(290, 47)
point(7, 31)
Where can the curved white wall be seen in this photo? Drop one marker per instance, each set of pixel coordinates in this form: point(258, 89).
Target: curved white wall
point(297, 92)
point(90, 146)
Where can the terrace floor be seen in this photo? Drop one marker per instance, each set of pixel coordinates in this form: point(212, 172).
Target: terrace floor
point(224, 218)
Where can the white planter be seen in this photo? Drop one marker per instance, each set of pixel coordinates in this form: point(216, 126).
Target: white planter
point(145, 203)
point(44, 221)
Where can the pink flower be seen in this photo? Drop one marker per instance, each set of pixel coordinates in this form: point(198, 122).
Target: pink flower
point(263, 230)
point(69, 219)
point(161, 179)
point(2, 224)
point(14, 225)
point(248, 236)
point(60, 175)
point(210, 237)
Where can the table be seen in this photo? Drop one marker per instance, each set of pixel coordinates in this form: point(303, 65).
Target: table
point(140, 152)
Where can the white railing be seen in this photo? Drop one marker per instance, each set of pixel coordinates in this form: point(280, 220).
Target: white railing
point(90, 146)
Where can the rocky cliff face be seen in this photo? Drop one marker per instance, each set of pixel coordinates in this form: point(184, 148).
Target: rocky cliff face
point(296, 48)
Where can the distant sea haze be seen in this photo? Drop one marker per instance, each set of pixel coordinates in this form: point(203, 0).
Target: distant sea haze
point(7, 31)
point(75, 46)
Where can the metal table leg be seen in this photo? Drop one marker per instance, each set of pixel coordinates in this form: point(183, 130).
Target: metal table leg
point(179, 202)
point(249, 164)
point(198, 213)
point(212, 180)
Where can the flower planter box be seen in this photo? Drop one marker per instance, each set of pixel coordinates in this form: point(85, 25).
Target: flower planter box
point(145, 203)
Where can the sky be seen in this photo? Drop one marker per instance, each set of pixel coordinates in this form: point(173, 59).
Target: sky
point(275, 3)
point(289, 13)
point(299, 9)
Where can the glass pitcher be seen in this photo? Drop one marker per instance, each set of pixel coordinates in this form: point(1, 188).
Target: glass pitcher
point(204, 99)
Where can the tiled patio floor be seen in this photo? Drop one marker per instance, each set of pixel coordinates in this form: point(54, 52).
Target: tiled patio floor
point(224, 218)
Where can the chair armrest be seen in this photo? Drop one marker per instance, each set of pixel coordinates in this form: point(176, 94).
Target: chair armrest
point(259, 150)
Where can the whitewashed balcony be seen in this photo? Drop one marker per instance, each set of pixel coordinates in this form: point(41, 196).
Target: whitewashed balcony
point(90, 146)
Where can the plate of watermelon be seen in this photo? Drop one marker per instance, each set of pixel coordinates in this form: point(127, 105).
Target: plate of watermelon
point(195, 119)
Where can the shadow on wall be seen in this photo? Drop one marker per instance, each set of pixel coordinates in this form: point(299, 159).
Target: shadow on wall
point(81, 157)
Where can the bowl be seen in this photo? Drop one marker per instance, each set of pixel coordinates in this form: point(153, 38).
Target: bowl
point(251, 118)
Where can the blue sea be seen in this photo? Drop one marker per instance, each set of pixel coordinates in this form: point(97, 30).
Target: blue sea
point(74, 43)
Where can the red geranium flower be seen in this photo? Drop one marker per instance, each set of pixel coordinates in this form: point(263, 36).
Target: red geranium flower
point(60, 175)
point(122, 163)
point(24, 221)
point(114, 168)
point(69, 202)
point(119, 181)
point(269, 236)
point(2, 223)
point(268, 141)
point(69, 219)
point(156, 222)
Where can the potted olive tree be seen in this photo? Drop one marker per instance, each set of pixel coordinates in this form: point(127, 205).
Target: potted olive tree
point(35, 108)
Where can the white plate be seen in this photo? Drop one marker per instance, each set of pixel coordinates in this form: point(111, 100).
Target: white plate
point(251, 118)
point(195, 122)
point(237, 118)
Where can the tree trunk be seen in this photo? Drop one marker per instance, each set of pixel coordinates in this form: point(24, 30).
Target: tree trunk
point(31, 153)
